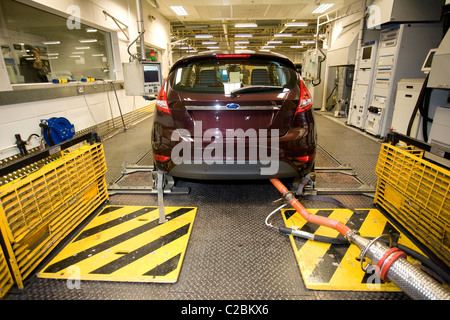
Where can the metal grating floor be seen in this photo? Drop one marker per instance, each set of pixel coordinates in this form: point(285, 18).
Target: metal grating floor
point(231, 255)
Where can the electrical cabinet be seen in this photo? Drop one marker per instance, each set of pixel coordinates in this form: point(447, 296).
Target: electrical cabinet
point(311, 73)
point(363, 85)
point(402, 50)
point(142, 78)
point(408, 92)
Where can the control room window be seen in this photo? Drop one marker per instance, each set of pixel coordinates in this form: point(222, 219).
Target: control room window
point(38, 46)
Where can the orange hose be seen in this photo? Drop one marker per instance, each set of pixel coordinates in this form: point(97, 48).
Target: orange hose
point(323, 221)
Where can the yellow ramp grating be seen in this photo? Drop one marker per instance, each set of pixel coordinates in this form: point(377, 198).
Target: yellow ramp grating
point(39, 210)
point(337, 267)
point(126, 243)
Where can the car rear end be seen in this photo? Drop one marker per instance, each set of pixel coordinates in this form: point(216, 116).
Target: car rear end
point(234, 116)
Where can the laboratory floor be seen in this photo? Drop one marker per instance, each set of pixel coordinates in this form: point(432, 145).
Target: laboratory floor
point(231, 254)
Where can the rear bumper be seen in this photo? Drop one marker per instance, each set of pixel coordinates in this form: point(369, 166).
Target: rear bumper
point(231, 171)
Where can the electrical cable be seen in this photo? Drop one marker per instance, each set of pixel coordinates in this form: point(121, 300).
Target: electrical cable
point(136, 55)
point(420, 101)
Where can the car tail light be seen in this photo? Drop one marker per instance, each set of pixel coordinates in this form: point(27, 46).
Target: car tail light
point(161, 158)
point(233, 56)
point(161, 102)
point(305, 101)
point(306, 158)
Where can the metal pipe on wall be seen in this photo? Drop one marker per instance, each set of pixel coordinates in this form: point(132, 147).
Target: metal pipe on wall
point(141, 28)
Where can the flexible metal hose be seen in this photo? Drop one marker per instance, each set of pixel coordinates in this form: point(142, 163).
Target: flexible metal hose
point(391, 263)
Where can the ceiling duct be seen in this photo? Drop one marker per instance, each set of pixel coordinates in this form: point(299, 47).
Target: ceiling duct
point(343, 50)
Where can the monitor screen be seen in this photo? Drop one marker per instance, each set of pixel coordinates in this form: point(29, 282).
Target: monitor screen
point(367, 53)
point(428, 61)
point(151, 73)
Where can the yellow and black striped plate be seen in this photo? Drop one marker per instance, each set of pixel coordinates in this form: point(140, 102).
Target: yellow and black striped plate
point(126, 243)
point(337, 267)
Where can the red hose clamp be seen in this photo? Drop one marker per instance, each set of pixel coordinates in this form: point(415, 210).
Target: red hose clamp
point(386, 261)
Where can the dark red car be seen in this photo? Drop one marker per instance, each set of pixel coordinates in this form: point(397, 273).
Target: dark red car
point(234, 116)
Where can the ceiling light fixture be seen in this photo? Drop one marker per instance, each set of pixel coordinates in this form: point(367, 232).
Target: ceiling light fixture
point(307, 41)
point(274, 41)
point(323, 7)
point(209, 42)
point(88, 40)
point(91, 30)
point(282, 35)
point(82, 48)
point(245, 25)
point(296, 24)
point(241, 47)
point(246, 35)
point(241, 42)
point(268, 47)
point(203, 36)
point(51, 42)
point(179, 10)
point(296, 47)
point(211, 48)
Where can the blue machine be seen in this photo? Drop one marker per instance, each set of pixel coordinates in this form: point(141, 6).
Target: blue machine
point(56, 130)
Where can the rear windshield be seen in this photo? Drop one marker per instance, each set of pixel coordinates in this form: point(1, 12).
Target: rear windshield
point(224, 75)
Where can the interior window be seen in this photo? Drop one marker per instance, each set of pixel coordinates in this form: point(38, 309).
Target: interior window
point(38, 46)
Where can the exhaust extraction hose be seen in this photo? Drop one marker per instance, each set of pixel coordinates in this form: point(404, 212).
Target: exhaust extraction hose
point(323, 221)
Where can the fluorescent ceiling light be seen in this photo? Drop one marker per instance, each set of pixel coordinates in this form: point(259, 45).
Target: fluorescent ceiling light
point(210, 48)
point(98, 55)
point(203, 36)
point(91, 30)
point(209, 42)
point(323, 7)
point(245, 25)
point(78, 52)
point(265, 50)
point(53, 54)
point(82, 48)
point(88, 40)
point(274, 41)
point(241, 42)
point(296, 24)
point(179, 10)
point(191, 51)
point(185, 48)
point(74, 56)
point(241, 47)
point(307, 41)
point(246, 35)
point(51, 42)
point(296, 47)
point(283, 35)
point(268, 47)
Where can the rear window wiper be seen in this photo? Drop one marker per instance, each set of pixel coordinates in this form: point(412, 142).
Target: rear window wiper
point(250, 89)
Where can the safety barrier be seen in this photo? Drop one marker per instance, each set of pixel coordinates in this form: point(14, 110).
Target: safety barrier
point(416, 193)
point(6, 280)
point(40, 209)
